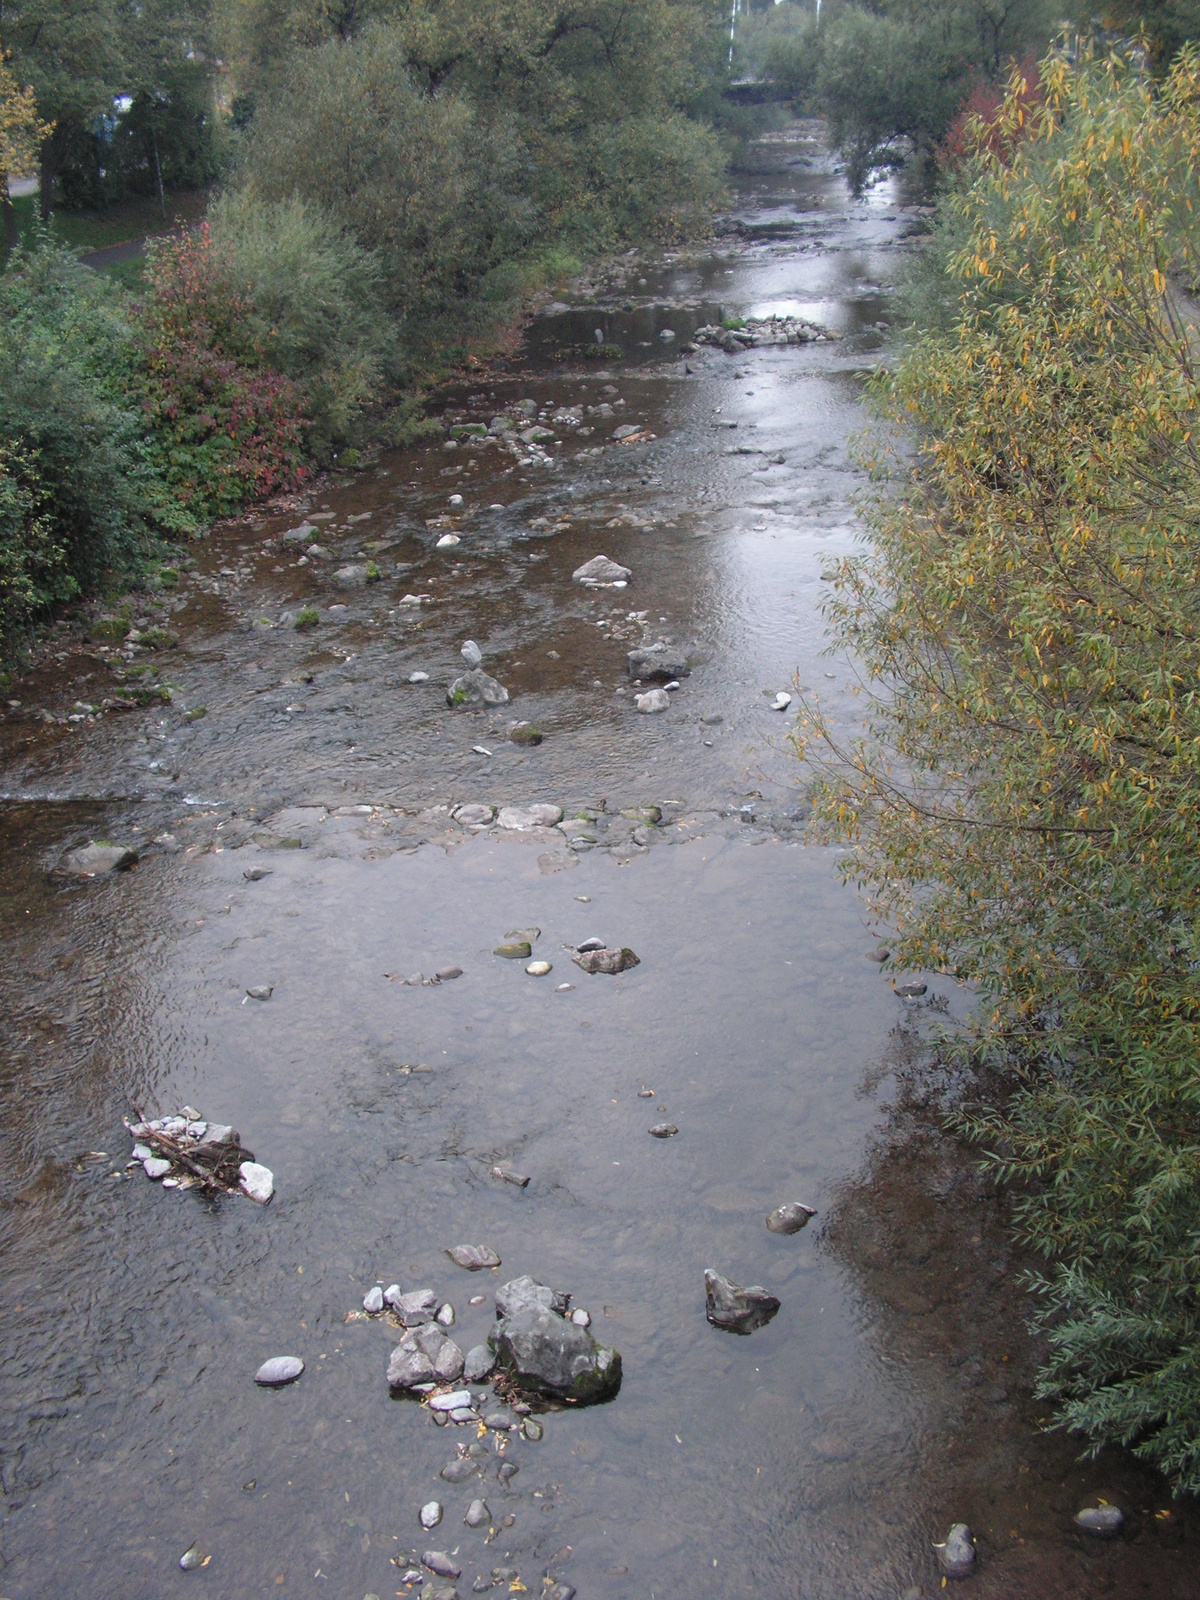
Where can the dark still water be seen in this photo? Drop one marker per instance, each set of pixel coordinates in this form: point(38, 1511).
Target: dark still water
point(818, 1458)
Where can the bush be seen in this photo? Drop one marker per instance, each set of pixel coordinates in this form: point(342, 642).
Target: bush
point(74, 479)
point(315, 306)
point(222, 430)
point(1026, 805)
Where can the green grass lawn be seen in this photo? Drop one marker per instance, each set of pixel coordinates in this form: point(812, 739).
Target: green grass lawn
point(131, 219)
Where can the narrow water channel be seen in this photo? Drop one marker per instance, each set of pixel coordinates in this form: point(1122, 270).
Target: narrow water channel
point(817, 1458)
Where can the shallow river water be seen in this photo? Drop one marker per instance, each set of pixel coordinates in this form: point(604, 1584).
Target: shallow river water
point(817, 1458)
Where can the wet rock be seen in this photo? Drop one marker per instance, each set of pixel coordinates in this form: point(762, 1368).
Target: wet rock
point(520, 819)
point(1105, 1522)
point(260, 991)
point(424, 1356)
point(539, 969)
point(737, 1310)
point(580, 1318)
point(500, 1421)
point(479, 1364)
point(459, 1470)
point(464, 1414)
point(257, 1181)
point(476, 688)
point(256, 874)
point(910, 991)
point(279, 1370)
point(653, 701)
point(474, 1257)
point(94, 860)
point(625, 431)
point(472, 654)
point(606, 961)
point(478, 1515)
point(191, 1558)
point(526, 735)
point(219, 1133)
point(517, 950)
point(881, 953)
point(588, 945)
point(531, 935)
point(459, 1400)
point(956, 1556)
point(663, 1130)
point(790, 1218)
point(658, 662)
point(415, 1307)
point(156, 1167)
point(601, 573)
point(438, 1561)
point(481, 1585)
point(440, 1591)
point(373, 1301)
point(448, 974)
point(507, 1471)
point(431, 1514)
point(533, 1430)
point(781, 701)
point(352, 577)
point(543, 1351)
point(445, 1316)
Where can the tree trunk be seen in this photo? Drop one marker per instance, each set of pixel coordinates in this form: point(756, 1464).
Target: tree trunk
point(49, 168)
point(11, 237)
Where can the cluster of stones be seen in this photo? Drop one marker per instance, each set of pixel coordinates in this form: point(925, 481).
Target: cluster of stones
point(539, 1344)
point(186, 1152)
point(758, 332)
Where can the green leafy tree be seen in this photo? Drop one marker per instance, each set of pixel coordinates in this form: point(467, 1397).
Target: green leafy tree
point(21, 134)
point(1025, 806)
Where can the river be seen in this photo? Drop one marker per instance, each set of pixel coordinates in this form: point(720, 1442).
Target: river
point(891, 1395)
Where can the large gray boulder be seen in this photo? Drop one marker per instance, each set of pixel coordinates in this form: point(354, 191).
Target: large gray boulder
point(93, 860)
point(661, 661)
point(544, 1352)
point(601, 573)
point(424, 1356)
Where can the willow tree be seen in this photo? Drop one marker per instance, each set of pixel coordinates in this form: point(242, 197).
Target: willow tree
point(1024, 806)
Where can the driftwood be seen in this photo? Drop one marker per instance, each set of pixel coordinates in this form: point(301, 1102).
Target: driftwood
point(214, 1168)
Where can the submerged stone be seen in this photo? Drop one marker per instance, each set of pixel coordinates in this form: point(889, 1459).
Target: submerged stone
point(278, 1371)
point(737, 1310)
point(790, 1218)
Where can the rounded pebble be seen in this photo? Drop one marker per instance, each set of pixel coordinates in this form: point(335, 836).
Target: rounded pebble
point(532, 1429)
point(373, 1301)
point(279, 1370)
point(478, 1515)
point(957, 1555)
point(431, 1514)
point(539, 969)
point(191, 1558)
point(1103, 1521)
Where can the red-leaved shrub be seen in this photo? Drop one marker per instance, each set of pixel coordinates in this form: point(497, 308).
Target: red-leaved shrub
point(980, 125)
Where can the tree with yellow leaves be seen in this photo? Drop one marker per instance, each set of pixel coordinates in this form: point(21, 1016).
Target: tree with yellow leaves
point(21, 135)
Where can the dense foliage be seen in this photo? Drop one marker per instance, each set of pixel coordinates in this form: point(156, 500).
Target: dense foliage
point(1025, 806)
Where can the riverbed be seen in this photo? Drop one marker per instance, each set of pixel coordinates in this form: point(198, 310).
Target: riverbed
point(890, 1397)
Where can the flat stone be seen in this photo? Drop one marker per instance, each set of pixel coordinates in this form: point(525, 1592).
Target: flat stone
point(910, 991)
point(530, 935)
point(880, 954)
point(459, 1470)
point(737, 1310)
point(156, 1167)
point(956, 1556)
point(448, 974)
point(663, 1130)
point(279, 1370)
point(658, 661)
point(501, 1421)
point(609, 962)
point(539, 969)
point(790, 1218)
point(219, 1133)
point(1105, 1522)
point(478, 1515)
point(257, 1181)
point(474, 816)
point(431, 1514)
point(600, 572)
point(438, 1561)
point(479, 1364)
point(256, 874)
point(451, 1402)
point(475, 688)
point(507, 1471)
point(94, 860)
point(533, 1430)
point(474, 1257)
point(417, 677)
point(520, 819)
point(260, 991)
point(415, 1307)
point(519, 1179)
point(352, 577)
point(518, 950)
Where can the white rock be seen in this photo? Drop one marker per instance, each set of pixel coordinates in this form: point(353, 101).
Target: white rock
point(471, 653)
point(257, 1181)
point(601, 573)
point(520, 819)
point(143, 1152)
point(456, 499)
point(581, 1318)
point(446, 1315)
point(156, 1167)
point(781, 701)
point(473, 816)
point(373, 1301)
point(418, 677)
point(539, 969)
point(431, 1514)
point(448, 541)
point(653, 700)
